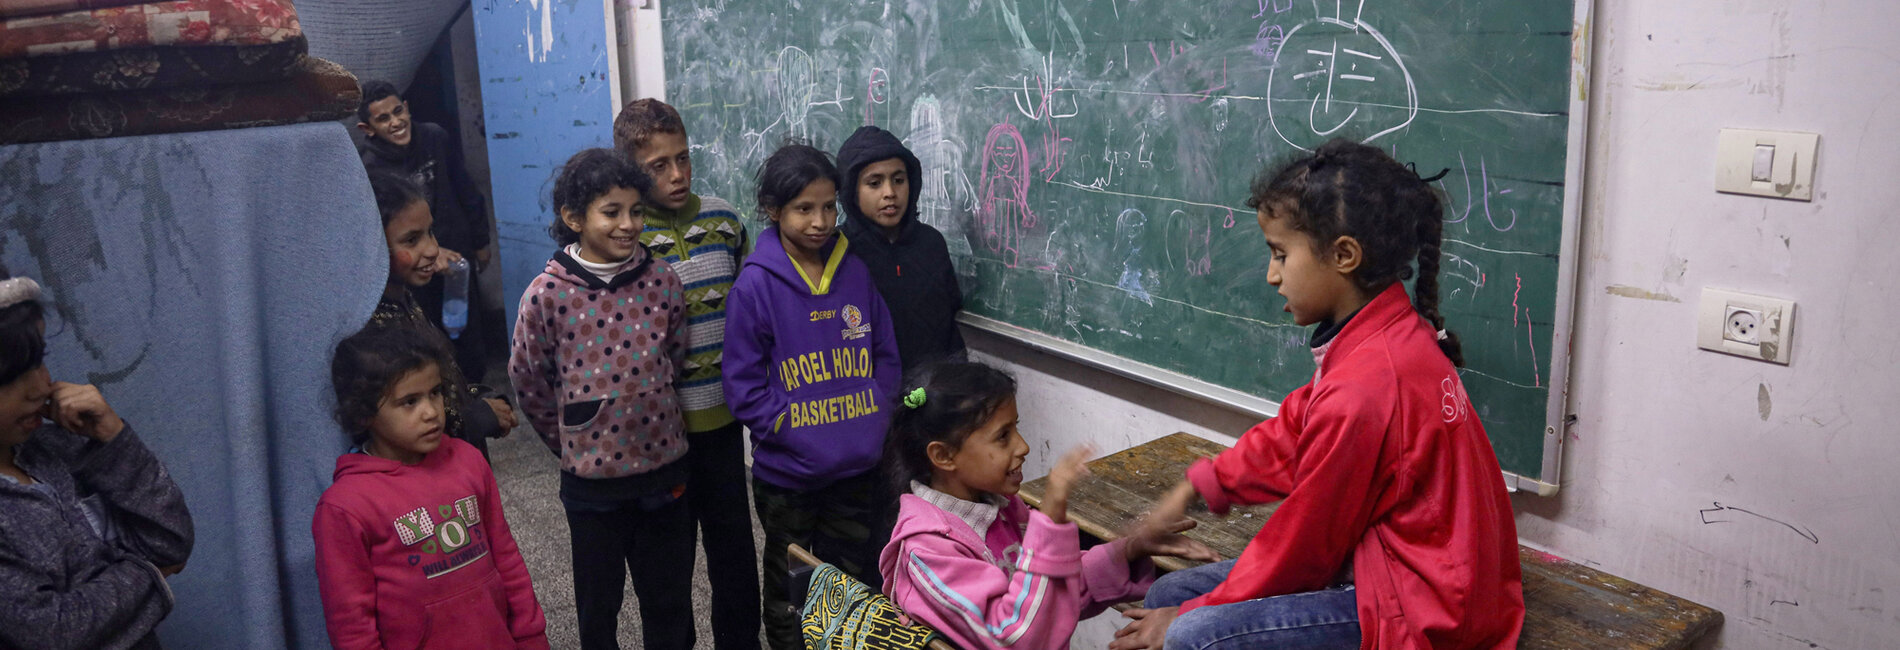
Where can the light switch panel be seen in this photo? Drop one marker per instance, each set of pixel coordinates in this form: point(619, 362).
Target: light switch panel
point(1764, 167)
point(1766, 163)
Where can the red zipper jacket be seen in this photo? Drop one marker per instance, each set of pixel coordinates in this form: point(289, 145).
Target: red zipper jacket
point(1379, 461)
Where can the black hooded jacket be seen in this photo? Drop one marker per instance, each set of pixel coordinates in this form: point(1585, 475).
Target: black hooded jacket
point(434, 162)
point(913, 272)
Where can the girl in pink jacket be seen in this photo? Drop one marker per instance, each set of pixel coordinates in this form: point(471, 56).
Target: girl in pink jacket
point(967, 556)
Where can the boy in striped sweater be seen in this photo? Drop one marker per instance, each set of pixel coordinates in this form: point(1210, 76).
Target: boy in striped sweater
point(704, 241)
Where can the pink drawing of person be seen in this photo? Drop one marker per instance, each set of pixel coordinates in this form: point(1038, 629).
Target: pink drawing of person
point(1003, 209)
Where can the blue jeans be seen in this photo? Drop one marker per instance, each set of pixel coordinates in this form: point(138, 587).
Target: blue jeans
point(1323, 619)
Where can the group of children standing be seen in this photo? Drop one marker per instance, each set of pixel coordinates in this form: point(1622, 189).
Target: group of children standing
point(659, 333)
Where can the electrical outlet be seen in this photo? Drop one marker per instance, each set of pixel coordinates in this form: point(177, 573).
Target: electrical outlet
point(1741, 325)
point(1745, 325)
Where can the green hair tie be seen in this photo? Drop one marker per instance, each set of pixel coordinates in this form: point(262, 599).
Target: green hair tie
point(915, 398)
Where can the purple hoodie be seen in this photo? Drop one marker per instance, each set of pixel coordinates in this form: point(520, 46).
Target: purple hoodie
point(811, 365)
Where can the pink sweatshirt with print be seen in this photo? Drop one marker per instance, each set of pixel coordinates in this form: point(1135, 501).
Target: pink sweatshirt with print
point(1024, 585)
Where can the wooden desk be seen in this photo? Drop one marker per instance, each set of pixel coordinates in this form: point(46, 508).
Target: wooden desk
point(1567, 605)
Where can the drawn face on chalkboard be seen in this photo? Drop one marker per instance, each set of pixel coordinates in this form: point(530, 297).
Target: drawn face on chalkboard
point(1335, 77)
point(1316, 281)
point(1004, 173)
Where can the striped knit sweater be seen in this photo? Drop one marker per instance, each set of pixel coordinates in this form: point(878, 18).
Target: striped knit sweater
point(705, 249)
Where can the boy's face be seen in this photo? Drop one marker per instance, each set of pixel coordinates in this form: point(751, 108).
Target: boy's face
point(408, 422)
point(412, 247)
point(806, 222)
point(665, 158)
point(610, 231)
point(884, 193)
point(388, 121)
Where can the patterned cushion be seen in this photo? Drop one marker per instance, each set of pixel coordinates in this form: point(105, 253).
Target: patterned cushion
point(151, 68)
point(17, 8)
point(319, 91)
point(180, 23)
point(842, 613)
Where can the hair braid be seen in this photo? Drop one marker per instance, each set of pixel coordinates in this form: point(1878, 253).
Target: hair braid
point(1431, 232)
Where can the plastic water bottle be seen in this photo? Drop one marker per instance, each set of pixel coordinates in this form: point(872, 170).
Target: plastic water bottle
point(455, 298)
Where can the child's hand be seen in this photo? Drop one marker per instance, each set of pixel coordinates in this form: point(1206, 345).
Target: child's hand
point(1152, 536)
point(82, 410)
point(446, 258)
point(1159, 531)
point(504, 414)
point(1062, 478)
point(1148, 630)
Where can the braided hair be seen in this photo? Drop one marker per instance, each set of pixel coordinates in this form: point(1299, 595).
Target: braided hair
point(1347, 189)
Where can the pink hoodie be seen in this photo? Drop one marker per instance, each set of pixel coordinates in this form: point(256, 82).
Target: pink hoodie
point(1024, 585)
point(419, 556)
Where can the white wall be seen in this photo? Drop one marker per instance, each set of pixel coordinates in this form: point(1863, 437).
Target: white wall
point(1665, 430)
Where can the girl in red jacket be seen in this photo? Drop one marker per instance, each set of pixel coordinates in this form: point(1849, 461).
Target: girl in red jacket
point(1394, 530)
point(412, 548)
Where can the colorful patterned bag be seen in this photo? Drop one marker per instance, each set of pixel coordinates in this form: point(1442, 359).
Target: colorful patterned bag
point(843, 613)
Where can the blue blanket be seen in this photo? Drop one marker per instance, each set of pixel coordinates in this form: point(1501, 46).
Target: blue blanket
point(201, 281)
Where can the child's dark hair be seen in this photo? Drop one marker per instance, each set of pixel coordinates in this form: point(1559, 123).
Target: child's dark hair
point(374, 91)
point(393, 193)
point(587, 176)
point(368, 363)
point(787, 171)
point(958, 398)
point(1349, 189)
point(643, 119)
point(22, 346)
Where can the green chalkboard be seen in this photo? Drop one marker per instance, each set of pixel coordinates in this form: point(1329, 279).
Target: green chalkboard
point(1089, 159)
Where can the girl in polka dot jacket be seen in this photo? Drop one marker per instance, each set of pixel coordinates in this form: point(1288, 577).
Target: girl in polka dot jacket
point(599, 341)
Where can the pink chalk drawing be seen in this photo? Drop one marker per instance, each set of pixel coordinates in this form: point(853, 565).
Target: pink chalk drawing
point(876, 92)
point(1003, 211)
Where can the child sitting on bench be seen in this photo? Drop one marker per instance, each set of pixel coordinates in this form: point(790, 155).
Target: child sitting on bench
point(967, 556)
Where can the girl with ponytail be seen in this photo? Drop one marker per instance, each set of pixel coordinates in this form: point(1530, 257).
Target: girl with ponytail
point(1394, 529)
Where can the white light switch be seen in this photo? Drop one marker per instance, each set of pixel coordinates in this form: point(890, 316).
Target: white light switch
point(1766, 163)
point(1764, 169)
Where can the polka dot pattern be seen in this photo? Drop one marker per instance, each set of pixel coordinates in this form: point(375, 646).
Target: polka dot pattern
point(577, 342)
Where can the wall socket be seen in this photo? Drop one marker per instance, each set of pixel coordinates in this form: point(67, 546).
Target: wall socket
point(1745, 325)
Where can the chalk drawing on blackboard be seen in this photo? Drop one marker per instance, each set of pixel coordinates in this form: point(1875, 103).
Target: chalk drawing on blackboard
point(1003, 212)
point(1130, 230)
point(877, 91)
point(797, 79)
point(1338, 73)
point(947, 198)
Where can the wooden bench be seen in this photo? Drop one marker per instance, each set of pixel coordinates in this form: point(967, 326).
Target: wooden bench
point(798, 558)
point(1567, 605)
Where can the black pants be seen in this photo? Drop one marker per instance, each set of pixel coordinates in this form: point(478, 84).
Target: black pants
point(843, 523)
point(718, 487)
point(656, 546)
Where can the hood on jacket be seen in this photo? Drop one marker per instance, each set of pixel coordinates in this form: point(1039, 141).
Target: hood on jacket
point(568, 269)
point(769, 255)
point(362, 463)
point(869, 145)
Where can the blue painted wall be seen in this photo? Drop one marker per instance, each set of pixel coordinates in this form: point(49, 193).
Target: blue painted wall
point(546, 94)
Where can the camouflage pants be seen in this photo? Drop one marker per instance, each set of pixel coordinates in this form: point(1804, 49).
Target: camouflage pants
point(846, 523)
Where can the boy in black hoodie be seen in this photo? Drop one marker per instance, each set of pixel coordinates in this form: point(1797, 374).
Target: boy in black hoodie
point(909, 260)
